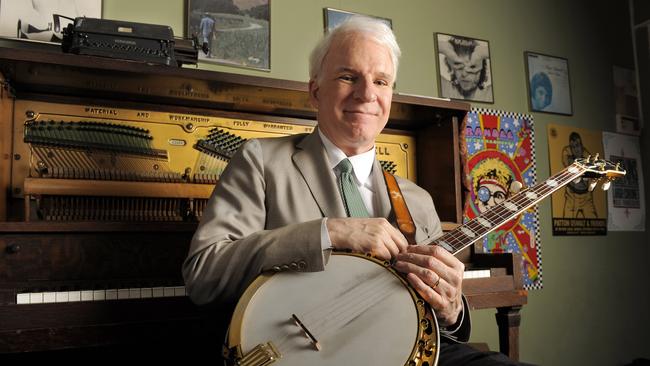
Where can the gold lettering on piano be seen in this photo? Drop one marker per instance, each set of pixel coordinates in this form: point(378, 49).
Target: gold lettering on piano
point(188, 94)
point(188, 118)
point(276, 126)
point(101, 111)
point(240, 123)
point(382, 150)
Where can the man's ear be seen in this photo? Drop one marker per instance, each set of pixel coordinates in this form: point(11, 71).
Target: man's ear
point(313, 92)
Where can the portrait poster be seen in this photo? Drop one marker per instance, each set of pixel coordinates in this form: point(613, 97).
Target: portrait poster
point(43, 20)
point(501, 151)
point(626, 196)
point(334, 17)
point(232, 32)
point(576, 210)
point(464, 68)
point(549, 89)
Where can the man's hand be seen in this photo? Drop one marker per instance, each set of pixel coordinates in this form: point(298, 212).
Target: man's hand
point(374, 235)
point(437, 276)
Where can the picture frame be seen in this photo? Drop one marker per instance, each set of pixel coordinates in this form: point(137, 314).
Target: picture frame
point(333, 17)
point(43, 21)
point(233, 33)
point(464, 68)
point(548, 83)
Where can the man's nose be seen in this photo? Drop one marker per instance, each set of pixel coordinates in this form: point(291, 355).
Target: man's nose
point(365, 91)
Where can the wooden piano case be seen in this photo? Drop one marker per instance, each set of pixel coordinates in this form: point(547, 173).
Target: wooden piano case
point(70, 280)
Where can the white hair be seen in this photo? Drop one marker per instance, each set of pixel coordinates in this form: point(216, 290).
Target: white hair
point(377, 30)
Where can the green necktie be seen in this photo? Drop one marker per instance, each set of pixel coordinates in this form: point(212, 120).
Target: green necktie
point(351, 197)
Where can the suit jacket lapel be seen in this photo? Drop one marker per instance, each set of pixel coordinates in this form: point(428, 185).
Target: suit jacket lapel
point(312, 162)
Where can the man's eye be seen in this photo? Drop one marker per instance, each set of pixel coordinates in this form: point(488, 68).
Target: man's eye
point(346, 78)
point(381, 82)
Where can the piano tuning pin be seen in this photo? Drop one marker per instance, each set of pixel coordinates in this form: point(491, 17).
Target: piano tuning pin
point(592, 185)
point(596, 157)
point(588, 158)
point(515, 187)
point(606, 185)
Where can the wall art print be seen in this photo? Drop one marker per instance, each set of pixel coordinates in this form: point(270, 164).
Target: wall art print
point(500, 151)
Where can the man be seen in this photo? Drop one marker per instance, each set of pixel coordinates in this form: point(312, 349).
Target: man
point(207, 28)
point(278, 204)
point(578, 199)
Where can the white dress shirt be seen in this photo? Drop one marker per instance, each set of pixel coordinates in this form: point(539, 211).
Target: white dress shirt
point(362, 166)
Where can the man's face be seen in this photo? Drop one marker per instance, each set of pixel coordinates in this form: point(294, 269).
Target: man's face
point(539, 99)
point(489, 195)
point(467, 71)
point(353, 92)
point(576, 147)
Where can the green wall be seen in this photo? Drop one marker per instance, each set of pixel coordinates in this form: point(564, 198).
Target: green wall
point(593, 309)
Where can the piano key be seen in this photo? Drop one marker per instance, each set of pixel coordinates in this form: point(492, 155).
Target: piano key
point(99, 295)
point(74, 296)
point(36, 298)
point(86, 295)
point(168, 291)
point(476, 273)
point(134, 293)
point(49, 297)
point(157, 292)
point(146, 292)
point(22, 299)
point(62, 296)
point(122, 293)
point(111, 294)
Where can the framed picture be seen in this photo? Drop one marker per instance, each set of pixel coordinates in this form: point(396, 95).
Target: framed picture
point(548, 83)
point(464, 69)
point(232, 32)
point(43, 20)
point(334, 17)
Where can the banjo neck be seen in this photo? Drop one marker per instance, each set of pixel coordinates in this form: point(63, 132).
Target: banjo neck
point(476, 229)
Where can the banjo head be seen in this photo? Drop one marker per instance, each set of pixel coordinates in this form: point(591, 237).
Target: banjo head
point(357, 311)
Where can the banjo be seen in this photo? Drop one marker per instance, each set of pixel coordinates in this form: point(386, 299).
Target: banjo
point(359, 310)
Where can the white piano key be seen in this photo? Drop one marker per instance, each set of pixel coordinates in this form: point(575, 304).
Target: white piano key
point(62, 296)
point(74, 296)
point(22, 299)
point(86, 295)
point(179, 291)
point(157, 292)
point(49, 297)
point(122, 293)
point(99, 295)
point(476, 273)
point(36, 298)
point(111, 294)
point(146, 292)
point(134, 293)
point(168, 291)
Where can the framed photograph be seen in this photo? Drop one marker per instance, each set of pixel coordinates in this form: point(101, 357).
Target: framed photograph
point(334, 17)
point(464, 69)
point(549, 90)
point(43, 20)
point(232, 32)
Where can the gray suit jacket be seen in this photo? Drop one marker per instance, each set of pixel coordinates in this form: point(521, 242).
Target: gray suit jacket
point(266, 214)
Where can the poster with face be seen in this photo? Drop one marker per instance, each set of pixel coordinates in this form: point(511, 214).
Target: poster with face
point(464, 70)
point(578, 209)
point(500, 152)
point(548, 84)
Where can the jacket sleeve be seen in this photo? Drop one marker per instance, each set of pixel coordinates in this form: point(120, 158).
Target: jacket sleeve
point(232, 246)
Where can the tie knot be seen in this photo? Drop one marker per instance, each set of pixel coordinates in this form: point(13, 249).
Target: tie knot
point(345, 166)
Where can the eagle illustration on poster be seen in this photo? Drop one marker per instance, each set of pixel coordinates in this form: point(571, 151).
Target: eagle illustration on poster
point(500, 152)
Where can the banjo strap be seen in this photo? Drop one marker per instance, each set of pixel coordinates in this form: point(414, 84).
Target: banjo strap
point(403, 216)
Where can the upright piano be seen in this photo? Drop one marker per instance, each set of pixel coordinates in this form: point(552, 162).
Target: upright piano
point(106, 165)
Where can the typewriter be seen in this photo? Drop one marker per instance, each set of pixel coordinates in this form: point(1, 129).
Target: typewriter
point(150, 43)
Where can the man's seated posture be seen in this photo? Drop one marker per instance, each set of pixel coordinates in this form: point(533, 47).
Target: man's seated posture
point(294, 199)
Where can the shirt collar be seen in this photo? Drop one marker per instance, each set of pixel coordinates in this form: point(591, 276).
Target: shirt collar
point(362, 163)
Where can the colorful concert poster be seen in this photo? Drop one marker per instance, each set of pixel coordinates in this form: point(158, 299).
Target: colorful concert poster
point(501, 151)
point(578, 209)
